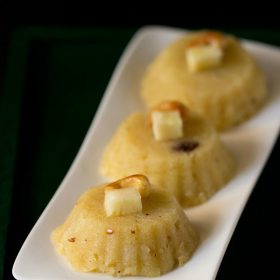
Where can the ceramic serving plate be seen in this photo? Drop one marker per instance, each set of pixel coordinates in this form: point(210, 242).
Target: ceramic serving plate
point(251, 143)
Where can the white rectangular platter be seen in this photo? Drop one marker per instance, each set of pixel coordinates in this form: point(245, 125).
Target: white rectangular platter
point(251, 143)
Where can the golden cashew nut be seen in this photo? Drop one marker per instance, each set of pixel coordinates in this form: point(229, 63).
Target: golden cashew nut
point(137, 181)
point(213, 38)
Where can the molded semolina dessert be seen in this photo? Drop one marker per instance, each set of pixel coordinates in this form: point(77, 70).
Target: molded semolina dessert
point(211, 73)
point(126, 228)
point(175, 148)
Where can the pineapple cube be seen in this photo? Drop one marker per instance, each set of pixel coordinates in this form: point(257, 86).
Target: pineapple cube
point(167, 125)
point(123, 201)
point(203, 57)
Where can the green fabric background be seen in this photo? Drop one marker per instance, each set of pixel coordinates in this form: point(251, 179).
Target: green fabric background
point(54, 82)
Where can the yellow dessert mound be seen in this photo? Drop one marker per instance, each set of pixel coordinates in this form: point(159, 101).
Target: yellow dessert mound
point(148, 243)
point(192, 168)
point(226, 95)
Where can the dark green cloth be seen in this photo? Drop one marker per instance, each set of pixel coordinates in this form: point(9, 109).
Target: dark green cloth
point(54, 81)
